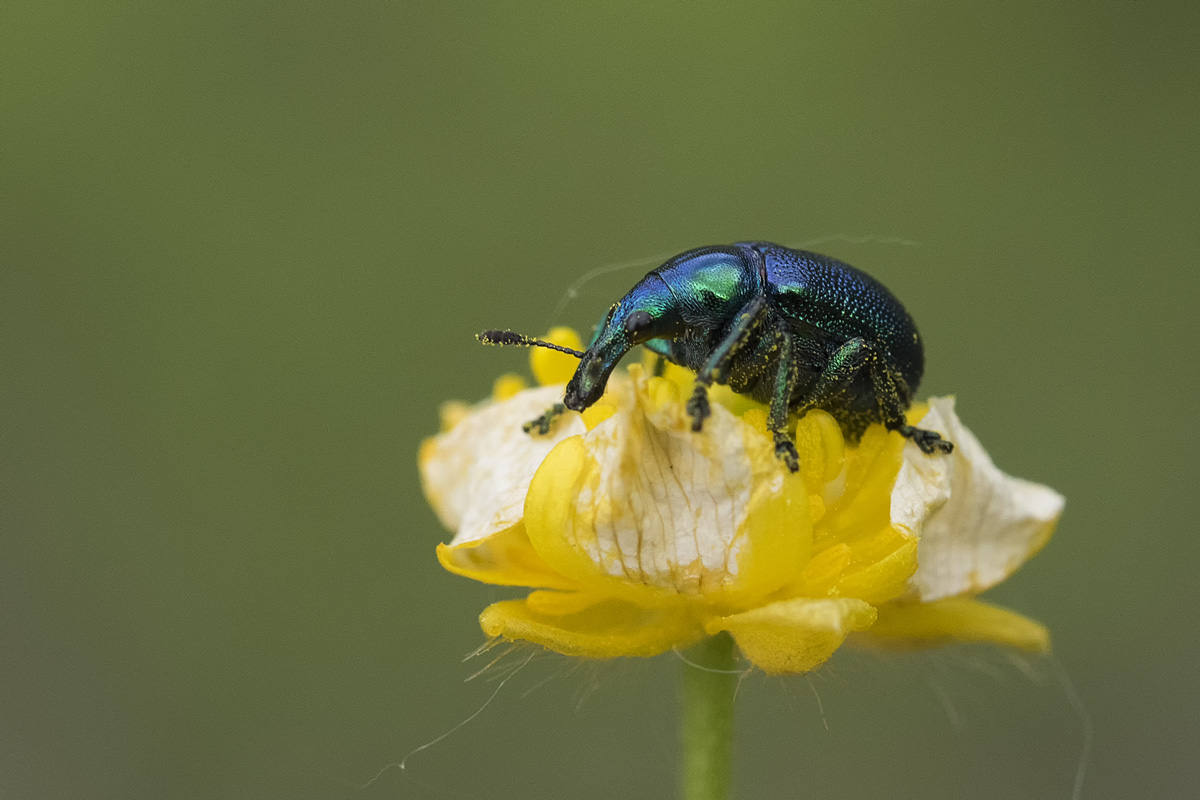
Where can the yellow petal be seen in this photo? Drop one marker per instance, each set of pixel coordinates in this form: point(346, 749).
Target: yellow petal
point(858, 499)
point(551, 368)
point(507, 386)
point(561, 604)
point(857, 552)
point(959, 620)
point(477, 474)
point(640, 507)
point(596, 413)
point(977, 525)
point(820, 576)
point(606, 629)
point(451, 413)
point(794, 635)
point(880, 568)
point(504, 559)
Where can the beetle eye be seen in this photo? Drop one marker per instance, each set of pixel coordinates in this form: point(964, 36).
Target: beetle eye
point(637, 322)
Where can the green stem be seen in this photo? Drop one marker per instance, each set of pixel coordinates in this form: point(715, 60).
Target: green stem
point(709, 682)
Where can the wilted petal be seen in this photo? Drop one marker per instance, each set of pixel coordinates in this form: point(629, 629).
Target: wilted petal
point(977, 525)
point(477, 474)
point(645, 509)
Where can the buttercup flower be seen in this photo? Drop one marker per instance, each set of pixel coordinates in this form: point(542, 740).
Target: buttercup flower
point(638, 535)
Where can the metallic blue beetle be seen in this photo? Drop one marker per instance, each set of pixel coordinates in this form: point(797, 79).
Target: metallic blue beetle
point(787, 327)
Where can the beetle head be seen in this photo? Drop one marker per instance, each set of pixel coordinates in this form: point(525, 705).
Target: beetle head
point(647, 312)
point(694, 293)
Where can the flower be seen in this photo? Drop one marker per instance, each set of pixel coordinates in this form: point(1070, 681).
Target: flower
point(638, 535)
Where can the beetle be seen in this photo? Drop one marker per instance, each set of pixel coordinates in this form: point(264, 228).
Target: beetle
point(791, 328)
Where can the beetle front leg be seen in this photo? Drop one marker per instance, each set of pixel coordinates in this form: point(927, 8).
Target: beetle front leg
point(786, 376)
point(543, 423)
point(698, 408)
point(718, 360)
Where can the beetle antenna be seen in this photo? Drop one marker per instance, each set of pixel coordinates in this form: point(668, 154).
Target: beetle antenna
point(521, 340)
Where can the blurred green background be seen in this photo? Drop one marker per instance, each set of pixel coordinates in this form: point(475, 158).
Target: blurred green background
point(243, 248)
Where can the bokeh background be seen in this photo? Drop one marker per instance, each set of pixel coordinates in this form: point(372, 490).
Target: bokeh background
point(243, 250)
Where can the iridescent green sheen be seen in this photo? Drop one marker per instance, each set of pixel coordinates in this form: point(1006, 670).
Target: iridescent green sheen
point(794, 329)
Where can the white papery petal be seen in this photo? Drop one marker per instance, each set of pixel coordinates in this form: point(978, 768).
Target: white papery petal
point(477, 474)
point(667, 506)
point(976, 524)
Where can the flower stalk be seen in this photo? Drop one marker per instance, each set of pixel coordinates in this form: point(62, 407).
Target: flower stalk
point(709, 683)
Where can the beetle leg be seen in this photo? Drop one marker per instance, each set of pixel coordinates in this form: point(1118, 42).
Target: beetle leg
point(698, 408)
point(843, 366)
point(786, 376)
point(892, 403)
point(891, 394)
point(841, 369)
point(929, 441)
point(718, 361)
point(542, 424)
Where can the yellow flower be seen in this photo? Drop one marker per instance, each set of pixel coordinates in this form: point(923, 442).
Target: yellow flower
point(638, 535)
